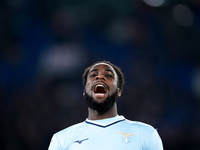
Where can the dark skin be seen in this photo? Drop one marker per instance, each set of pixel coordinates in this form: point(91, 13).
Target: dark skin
point(102, 74)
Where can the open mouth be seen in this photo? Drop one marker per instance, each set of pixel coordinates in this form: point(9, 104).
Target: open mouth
point(99, 89)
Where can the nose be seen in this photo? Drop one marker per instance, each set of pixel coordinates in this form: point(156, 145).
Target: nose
point(100, 77)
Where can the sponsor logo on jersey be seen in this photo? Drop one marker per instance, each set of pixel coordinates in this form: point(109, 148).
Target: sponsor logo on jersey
point(126, 137)
point(80, 141)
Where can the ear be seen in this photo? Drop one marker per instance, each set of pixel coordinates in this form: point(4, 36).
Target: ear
point(84, 93)
point(119, 92)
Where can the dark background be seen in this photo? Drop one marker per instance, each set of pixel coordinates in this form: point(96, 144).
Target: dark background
point(45, 45)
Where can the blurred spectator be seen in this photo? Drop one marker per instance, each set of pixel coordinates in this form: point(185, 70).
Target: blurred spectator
point(62, 61)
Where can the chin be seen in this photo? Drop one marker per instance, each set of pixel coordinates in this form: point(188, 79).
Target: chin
point(101, 105)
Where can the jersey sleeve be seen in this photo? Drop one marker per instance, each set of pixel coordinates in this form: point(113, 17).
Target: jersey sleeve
point(155, 142)
point(54, 144)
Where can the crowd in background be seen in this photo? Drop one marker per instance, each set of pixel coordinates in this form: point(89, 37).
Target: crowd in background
point(46, 45)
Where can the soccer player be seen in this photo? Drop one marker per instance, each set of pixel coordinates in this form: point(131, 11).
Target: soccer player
point(104, 129)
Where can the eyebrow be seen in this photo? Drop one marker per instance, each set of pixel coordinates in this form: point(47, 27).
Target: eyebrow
point(105, 70)
point(93, 70)
point(109, 70)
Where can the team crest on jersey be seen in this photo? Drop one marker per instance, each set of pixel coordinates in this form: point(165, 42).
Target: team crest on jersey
point(126, 138)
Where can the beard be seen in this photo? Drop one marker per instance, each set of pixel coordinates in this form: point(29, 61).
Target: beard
point(102, 107)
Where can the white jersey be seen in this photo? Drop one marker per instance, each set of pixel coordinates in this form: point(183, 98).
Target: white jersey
point(115, 133)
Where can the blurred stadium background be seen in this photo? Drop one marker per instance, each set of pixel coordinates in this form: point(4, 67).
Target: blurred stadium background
point(45, 45)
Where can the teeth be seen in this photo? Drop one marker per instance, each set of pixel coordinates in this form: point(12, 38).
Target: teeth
point(99, 85)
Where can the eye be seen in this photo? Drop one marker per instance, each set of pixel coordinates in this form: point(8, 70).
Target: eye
point(108, 76)
point(93, 75)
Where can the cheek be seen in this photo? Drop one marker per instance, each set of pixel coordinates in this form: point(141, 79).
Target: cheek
point(88, 87)
point(114, 87)
point(115, 84)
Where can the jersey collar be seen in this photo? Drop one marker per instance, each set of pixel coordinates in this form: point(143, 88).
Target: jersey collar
point(106, 122)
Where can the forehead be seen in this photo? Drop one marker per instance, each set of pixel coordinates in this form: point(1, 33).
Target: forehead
point(103, 66)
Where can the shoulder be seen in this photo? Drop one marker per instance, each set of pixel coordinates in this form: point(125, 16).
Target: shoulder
point(147, 134)
point(59, 138)
point(141, 126)
point(69, 129)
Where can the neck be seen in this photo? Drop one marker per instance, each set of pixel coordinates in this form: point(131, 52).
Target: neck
point(94, 115)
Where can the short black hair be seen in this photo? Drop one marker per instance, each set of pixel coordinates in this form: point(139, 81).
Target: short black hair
point(120, 75)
